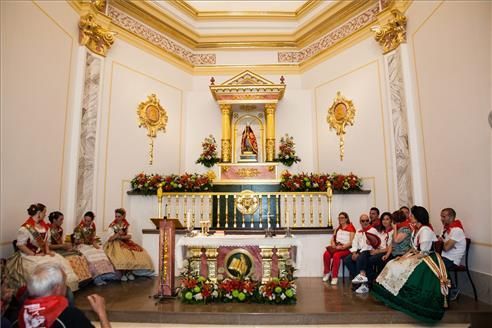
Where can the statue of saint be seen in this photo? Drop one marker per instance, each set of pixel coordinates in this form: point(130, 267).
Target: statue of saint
point(248, 142)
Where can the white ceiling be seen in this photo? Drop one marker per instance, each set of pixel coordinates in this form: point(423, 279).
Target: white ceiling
point(246, 5)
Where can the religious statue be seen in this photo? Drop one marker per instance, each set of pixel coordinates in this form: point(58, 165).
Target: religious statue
point(249, 146)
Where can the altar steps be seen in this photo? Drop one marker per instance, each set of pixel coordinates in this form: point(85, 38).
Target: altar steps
point(318, 304)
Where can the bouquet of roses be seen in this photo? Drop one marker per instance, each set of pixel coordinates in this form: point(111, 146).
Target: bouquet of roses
point(279, 291)
point(346, 182)
point(146, 183)
point(208, 156)
point(287, 154)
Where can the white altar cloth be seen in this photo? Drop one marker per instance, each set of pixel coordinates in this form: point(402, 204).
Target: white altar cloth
point(237, 240)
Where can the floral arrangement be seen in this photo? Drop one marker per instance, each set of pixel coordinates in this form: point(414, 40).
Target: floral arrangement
point(196, 289)
point(208, 156)
point(279, 291)
point(149, 183)
point(318, 182)
point(287, 154)
point(240, 290)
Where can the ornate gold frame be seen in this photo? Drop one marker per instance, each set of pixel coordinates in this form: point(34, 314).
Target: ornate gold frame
point(154, 118)
point(244, 252)
point(340, 114)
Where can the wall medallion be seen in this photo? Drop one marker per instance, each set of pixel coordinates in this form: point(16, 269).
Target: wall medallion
point(153, 117)
point(340, 114)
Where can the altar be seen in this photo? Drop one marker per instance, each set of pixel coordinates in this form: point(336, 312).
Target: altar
point(235, 256)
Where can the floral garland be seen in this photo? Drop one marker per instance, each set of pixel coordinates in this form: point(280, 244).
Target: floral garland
point(318, 182)
point(209, 156)
point(287, 153)
point(196, 289)
point(149, 183)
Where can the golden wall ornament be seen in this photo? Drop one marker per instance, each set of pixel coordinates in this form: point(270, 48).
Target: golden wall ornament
point(341, 114)
point(153, 117)
point(247, 202)
point(100, 5)
point(392, 34)
point(95, 37)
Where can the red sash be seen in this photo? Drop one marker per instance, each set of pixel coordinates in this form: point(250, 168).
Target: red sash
point(30, 225)
point(41, 312)
point(455, 224)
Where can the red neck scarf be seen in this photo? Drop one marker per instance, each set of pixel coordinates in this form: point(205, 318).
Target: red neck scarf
point(455, 224)
point(31, 223)
point(122, 222)
point(349, 227)
point(42, 312)
point(404, 224)
point(376, 223)
point(366, 228)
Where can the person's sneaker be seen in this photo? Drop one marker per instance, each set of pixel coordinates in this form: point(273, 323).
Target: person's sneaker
point(334, 281)
point(130, 276)
point(124, 277)
point(454, 294)
point(363, 289)
point(326, 277)
point(359, 279)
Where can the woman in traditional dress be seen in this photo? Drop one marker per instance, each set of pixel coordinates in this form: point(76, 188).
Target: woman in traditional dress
point(127, 256)
point(339, 248)
point(33, 249)
point(57, 244)
point(85, 240)
point(416, 283)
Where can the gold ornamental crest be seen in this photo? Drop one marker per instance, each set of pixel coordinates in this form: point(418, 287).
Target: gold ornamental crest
point(153, 117)
point(340, 114)
point(247, 202)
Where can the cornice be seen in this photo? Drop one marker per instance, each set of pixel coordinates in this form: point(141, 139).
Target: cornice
point(198, 15)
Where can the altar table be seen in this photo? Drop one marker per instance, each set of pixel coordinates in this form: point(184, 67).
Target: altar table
point(256, 256)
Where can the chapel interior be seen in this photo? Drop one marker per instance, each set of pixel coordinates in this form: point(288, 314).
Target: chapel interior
point(396, 92)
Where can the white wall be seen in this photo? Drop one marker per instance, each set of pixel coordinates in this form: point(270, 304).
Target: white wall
point(451, 58)
point(38, 61)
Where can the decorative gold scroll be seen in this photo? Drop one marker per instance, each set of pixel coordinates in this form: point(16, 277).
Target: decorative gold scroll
point(341, 114)
point(95, 37)
point(153, 117)
point(392, 34)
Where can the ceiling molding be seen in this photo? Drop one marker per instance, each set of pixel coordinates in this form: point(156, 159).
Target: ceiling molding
point(198, 15)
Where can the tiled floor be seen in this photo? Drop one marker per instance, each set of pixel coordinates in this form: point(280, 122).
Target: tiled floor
point(318, 304)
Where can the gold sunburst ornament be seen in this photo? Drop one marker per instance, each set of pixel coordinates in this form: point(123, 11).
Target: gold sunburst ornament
point(153, 117)
point(341, 114)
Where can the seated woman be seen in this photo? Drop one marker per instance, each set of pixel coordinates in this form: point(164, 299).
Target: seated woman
point(416, 283)
point(125, 254)
point(385, 232)
point(33, 249)
point(57, 244)
point(339, 247)
point(84, 237)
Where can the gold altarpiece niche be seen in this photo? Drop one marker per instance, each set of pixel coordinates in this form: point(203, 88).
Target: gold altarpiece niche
point(154, 118)
point(340, 114)
point(248, 103)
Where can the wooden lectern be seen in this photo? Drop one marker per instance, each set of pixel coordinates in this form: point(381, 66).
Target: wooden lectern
point(166, 258)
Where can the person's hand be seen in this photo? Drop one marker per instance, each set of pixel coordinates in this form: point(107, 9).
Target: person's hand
point(97, 303)
point(385, 257)
point(96, 246)
point(373, 251)
point(355, 256)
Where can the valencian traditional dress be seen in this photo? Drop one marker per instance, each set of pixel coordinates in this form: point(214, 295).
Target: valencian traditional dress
point(21, 265)
point(99, 264)
point(76, 260)
point(126, 254)
point(413, 285)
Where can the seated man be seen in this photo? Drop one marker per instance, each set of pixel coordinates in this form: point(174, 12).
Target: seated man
point(374, 216)
point(48, 307)
point(364, 241)
point(454, 245)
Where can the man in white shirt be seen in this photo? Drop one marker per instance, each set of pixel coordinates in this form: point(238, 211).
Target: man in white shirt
point(454, 244)
point(365, 240)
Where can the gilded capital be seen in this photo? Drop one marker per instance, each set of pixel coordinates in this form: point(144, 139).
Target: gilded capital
point(270, 109)
point(225, 109)
point(95, 37)
point(392, 34)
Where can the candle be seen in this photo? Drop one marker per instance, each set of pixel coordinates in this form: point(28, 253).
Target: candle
point(287, 219)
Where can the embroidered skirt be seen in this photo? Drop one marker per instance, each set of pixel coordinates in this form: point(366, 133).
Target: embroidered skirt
point(127, 255)
point(98, 261)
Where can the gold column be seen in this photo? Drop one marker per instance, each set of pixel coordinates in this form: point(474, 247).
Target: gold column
point(226, 152)
point(270, 131)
